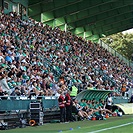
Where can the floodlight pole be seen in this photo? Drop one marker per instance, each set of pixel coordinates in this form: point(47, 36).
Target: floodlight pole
point(54, 23)
point(84, 35)
point(65, 27)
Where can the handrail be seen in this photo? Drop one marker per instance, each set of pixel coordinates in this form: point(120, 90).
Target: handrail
point(111, 50)
point(50, 64)
point(116, 54)
point(45, 60)
point(17, 103)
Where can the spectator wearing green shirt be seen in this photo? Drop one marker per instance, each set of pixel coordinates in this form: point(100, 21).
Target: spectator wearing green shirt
point(82, 103)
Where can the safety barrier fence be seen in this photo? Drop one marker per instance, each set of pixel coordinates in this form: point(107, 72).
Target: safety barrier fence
point(115, 53)
point(50, 102)
point(22, 103)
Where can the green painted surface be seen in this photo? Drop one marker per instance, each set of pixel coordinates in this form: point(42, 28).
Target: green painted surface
point(80, 126)
point(50, 102)
point(90, 94)
point(95, 16)
point(99, 94)
point(8, 105)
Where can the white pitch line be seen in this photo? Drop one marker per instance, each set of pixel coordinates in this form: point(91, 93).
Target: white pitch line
point(110, 128)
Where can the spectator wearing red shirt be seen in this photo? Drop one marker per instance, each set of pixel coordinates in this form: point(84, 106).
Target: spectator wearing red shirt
point(68, 106)
point(62, 102)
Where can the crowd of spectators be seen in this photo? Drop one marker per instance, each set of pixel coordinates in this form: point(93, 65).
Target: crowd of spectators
point(36, 59)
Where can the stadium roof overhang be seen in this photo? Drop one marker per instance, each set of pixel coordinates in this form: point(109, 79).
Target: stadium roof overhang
point(91, 19)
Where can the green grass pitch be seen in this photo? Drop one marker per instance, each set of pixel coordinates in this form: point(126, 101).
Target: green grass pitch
point(111, 125)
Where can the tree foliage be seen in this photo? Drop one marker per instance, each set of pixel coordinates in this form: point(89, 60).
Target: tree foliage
point(122, 43)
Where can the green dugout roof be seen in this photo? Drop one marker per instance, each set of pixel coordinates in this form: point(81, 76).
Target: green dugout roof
point(90, 94)
point(91, 19)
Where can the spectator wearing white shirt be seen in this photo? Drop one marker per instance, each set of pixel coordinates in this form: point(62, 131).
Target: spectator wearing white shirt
point(109, 102)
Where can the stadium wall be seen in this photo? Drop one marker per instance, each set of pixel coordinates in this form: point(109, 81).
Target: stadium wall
point(15, 6)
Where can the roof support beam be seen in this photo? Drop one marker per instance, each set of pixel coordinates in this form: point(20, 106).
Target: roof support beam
point(38, 2)
point(96, 17)
point(103, 28)
point(119, 29)
point(51, 6)
point(108, 22)
point(116, 10)
point(77, 6)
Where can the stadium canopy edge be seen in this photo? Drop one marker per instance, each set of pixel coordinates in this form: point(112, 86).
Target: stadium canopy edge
point(89, 19)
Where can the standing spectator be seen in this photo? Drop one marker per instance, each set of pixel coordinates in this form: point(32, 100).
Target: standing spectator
point(62, 102)
point(68, 106)
point(3, 81)
point(74, 91)
point(109, 102)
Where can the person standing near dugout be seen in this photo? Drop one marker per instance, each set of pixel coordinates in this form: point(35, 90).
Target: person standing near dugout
point(68, 106)
point(62, 102)
point(74, 91)
point(109, 102)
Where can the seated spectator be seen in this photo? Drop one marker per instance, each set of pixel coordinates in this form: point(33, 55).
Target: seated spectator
point(16, 92)
point(3, 81)
point(52, 57)
point(8, 58)
point(77, 109)
point(3, 95)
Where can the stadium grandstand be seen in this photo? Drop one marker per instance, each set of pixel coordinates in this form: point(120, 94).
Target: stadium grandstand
point(52, 48)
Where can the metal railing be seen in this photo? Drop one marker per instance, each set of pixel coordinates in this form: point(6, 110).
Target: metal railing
point(10, 103)
point(115, 53)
